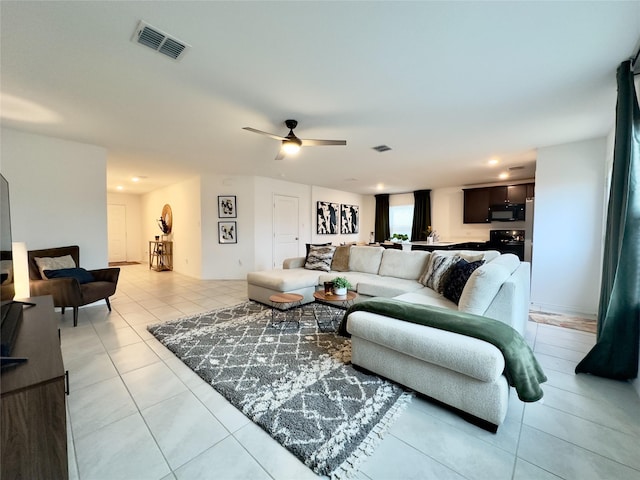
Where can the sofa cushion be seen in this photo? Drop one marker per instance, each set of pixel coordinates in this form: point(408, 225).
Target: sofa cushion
point(365, 259)
point(482, 287)
point(319, 258)
point(54, 263)
point(401, 264)
point(460, 353)
point(340, 262)
point(286, 280)
point(438, 268)
point(387, 286)
point(355, 278)
point(426, 296)
point(80, 274)
point(458, 277)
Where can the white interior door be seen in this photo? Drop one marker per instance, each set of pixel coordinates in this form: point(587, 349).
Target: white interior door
point(285, 229)
point(117, 232)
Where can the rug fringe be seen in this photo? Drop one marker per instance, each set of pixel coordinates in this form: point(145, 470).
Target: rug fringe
point(351, 465)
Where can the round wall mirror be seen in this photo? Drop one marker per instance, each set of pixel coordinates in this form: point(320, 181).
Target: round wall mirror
point(167, 216)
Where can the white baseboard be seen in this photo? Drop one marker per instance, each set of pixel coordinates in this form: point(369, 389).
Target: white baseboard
point(561, 309)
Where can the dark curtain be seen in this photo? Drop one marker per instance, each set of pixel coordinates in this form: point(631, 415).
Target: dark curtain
point(615, 354)
point(421, 214)
point(383, 232)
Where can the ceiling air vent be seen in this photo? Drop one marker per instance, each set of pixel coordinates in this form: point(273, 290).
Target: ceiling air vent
point(159, 41)
point(381, 148)
point(516, 168)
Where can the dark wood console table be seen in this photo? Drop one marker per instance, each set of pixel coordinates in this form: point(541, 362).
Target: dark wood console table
point(33, 419)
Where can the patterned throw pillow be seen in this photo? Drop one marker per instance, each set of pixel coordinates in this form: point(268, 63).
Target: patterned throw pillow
point(54, 263)
point(439, 265)
point(457, 278)
point(319, 258)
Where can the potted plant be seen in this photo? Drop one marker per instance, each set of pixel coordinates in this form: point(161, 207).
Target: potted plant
point(399, 237)
point(340, 285)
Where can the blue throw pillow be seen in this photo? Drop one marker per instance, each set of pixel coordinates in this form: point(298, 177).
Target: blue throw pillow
point(80, 274)
point(457, 279)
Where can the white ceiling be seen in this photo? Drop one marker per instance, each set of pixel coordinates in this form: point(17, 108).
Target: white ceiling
point(447, 85)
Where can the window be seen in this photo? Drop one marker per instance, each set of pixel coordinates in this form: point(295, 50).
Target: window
point(401, 219)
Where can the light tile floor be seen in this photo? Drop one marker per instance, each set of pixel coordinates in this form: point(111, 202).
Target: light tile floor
point(136, 412)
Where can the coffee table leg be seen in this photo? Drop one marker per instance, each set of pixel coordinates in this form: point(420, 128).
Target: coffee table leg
point(285, 311)
point(326, 319)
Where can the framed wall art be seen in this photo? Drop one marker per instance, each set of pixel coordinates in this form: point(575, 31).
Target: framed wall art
point(349, 218)
point(227, 206)
point(327, 218)
point(227, 232)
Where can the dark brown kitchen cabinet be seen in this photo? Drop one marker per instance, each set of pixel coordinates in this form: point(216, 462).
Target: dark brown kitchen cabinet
point(507, 194)
point(476, 205)
point(531, 190)
point(516, 193)
point(478, 200)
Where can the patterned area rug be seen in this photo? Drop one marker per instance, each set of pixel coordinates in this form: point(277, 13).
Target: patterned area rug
point(297, 384)
point(566, 321)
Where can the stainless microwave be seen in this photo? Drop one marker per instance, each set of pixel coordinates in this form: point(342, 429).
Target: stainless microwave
point(508, 212)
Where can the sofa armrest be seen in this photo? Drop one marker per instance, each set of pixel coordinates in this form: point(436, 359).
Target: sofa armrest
point(297, 262)
point(106, 274)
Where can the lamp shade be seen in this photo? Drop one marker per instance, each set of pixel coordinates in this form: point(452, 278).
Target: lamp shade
point(21, 269)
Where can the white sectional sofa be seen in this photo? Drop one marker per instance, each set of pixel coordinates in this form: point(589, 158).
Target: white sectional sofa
point(463, 372)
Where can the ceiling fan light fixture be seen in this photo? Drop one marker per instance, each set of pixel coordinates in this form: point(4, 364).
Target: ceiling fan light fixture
point(291, 146)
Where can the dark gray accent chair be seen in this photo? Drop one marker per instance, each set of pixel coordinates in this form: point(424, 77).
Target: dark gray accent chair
point(68, 292)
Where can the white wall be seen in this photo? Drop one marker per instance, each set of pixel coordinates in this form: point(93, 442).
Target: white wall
point(133, 208)
point(58, 193)
point(229, 260)
point(184, 199)
point(447, 215)
point(566, 267)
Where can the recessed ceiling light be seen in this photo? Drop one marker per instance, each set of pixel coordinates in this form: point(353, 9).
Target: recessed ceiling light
point(493, 161)
point(119, 187)
point(380, 186)
point(503, 175)
point(135, 179)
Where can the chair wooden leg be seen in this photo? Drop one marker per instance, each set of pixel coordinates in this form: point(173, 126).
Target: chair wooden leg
point(108, 303)
point(75, 316)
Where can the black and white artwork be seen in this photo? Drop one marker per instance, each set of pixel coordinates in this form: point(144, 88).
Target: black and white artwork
point(227, 206)
point(349, 218)
point(327, 218)
point(227, 232)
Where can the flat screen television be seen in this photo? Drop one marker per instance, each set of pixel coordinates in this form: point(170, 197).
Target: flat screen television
point(11, 311)
point(6, 257)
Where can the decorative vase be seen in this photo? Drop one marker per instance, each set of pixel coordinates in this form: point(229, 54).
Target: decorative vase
point(340, 291)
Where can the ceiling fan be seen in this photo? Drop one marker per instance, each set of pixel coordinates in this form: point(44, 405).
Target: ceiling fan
point(291, 144)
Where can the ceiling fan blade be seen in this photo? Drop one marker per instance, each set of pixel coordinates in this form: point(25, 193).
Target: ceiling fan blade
point(317, 143)
point(276, 137)
point(280, 155)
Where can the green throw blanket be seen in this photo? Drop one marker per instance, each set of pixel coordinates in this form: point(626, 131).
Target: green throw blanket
point(521, 367)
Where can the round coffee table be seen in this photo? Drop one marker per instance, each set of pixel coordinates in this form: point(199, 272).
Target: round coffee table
point(284, 307)
point(326, 318)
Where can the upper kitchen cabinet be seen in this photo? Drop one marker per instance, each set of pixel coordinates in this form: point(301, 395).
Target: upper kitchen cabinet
point(531, 190)
point(476, 205)
point(478, 200)
point(508, 194)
